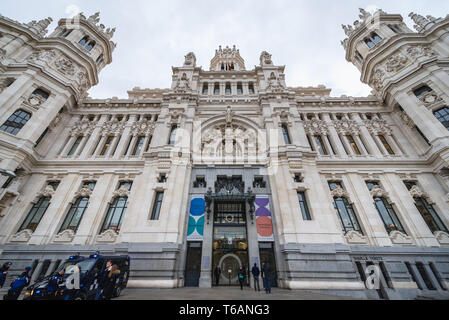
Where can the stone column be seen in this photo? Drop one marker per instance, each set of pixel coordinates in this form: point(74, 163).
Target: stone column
point(418, 277)
point(432, 277)
point(124, 140)
point(82, 144)
point(94, 137)
point(36, 272)
point(51, 267)
point(68, 146)
point(371, 145)
point(426, 121)
point(333, 135)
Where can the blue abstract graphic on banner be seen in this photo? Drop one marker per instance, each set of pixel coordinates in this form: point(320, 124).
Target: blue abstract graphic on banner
point(195, 229)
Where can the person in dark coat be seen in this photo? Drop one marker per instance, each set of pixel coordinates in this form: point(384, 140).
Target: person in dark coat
point(217, 274)
point(102, 279)
point(266, 276)
point(53, 284)
point(241, 274)
point(256, 272)
point(17, 285)
point(110, 282)
point(3, 272)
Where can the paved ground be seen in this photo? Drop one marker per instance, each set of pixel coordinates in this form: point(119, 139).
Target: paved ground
point(222, 293)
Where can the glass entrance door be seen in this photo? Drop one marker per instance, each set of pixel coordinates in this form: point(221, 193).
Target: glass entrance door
point(230, 243)
point(193, 264)
point(266, 253)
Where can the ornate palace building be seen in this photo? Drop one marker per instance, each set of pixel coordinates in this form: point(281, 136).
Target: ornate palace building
point(230, 166)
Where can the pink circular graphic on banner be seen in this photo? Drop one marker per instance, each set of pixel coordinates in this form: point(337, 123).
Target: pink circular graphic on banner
point(264, 227)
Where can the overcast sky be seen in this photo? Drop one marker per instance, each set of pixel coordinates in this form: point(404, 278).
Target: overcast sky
point(154, 35)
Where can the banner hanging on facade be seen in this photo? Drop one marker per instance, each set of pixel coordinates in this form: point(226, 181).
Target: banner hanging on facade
point(263, 219)
point(195, 229)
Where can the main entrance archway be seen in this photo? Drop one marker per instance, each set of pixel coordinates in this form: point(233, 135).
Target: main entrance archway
point(230, 241)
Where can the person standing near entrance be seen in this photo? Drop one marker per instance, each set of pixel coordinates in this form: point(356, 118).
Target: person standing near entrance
point(217, 274)
point(266, 276)
point(256, 272)
point(241, 275)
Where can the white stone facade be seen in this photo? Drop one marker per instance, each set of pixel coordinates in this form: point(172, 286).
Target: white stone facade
point(281, 142)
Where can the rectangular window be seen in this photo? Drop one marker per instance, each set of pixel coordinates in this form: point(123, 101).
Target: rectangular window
point(424, 275)
point(429, 215)
point(16, 122)
point(304, 207)
point(75, 146)
point(286, 134)
point(75, 214)
point(139, 145)
point(172, 137)
point(386, 145)
point(106, 146)
point(321, 147)
point(353, 145)
point(157, 205)
point(35, 214)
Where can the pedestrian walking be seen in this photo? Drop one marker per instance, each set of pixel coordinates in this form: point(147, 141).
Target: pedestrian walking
point(111, 281)
point(102, 279)
point(266, 276)
point(256, 272)
point(217, 274)
point(17, 285)
point(241, 275)
point(4, 272)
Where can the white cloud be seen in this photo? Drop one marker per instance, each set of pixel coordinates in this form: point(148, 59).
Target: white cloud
point(154, 35)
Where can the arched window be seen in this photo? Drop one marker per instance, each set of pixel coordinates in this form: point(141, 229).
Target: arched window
point(251, 88)
point(443, 116)
point(372, 40)
point(90, 45)
point(205, 88)
point(42, 93)
point(216, 88)
point(35, 215)
point(421, 90)
point(239, 88)
point(386, 211)
point(75, 214)
point(16, 122)
point(345, 211)
point(228, 88)
point(172, 137)
point(84, 41)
